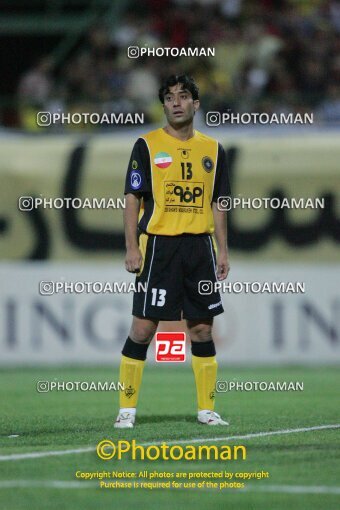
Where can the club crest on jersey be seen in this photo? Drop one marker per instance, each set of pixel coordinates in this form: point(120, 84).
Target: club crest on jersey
point(162, 160)
point(136, 180)
point(208, 164)
point(185, 153)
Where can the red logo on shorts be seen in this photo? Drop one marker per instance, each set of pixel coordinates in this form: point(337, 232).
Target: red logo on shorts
point(170, 346)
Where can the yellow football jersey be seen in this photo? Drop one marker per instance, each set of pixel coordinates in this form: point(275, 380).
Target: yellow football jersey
point(178, 181)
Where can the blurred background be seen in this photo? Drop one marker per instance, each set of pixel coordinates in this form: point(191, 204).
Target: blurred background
point(271, 56)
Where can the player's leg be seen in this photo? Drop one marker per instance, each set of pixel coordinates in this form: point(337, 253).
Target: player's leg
point(161, 300)
point(204, 365)
point(199, 309)
point(131, 368)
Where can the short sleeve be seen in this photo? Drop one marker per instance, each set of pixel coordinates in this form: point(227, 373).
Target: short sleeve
point(222, 185)
point(138, 176)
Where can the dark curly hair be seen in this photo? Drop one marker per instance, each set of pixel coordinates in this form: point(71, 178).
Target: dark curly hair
point(187, 82)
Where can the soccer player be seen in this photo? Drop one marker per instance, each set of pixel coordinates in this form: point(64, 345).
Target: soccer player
point(174, 179)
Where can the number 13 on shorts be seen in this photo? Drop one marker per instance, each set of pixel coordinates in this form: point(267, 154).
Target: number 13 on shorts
point(158, 297)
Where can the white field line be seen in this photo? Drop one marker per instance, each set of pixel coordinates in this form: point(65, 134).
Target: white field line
point(62, 484)
point(45, 484)
point(202, 440)
point(294, 489)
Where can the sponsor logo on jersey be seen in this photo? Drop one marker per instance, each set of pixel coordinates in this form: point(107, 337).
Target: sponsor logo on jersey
point(134, 164)
point(208, 164)
point(185, 194)
point(162, 160)
point(136, 179)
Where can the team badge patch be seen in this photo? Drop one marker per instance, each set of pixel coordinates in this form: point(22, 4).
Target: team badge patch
point(129, 391)
point(162, 160)
point(136, 180)
point(208, 164)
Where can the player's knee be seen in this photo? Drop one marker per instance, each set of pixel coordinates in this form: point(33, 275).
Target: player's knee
point(142, 332)
point(200, 332)
point(141, 335)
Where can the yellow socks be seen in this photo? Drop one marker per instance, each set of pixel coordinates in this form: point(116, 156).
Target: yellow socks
point(204, 365)
point(131, 372)
point(205, 371)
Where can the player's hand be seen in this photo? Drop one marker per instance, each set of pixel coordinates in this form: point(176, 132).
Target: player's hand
point(133, 260)
point(223, 265)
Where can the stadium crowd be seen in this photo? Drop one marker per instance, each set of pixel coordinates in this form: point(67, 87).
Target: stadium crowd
point(270, 56)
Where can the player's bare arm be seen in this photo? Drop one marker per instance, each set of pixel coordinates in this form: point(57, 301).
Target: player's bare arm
point(133, 259)
point(220, 220)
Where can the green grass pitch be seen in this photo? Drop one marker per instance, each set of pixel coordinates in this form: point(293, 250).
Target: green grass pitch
point(303, 467)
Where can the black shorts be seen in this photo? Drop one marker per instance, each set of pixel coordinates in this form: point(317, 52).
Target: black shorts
point(172, 268)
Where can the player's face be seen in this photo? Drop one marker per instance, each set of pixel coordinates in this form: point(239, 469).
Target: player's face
point(179, 106)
